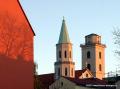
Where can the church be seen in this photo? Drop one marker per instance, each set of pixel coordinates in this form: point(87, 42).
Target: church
point(65, 76)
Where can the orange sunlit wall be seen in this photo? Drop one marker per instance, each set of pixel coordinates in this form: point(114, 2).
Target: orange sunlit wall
point(16, 47)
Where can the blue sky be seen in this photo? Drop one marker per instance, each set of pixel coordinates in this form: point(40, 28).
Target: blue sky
point(82, 17)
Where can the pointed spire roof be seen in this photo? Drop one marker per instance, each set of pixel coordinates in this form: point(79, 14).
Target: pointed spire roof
point(64, 36)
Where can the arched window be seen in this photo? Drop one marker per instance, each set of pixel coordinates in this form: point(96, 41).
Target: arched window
point(59, 54)
point(58, 71)
point(65, 54)
point(88, 54)
point(70, 54)
point(89, 66)
point(61, 83)
point(65, 71)
point(100, 67)
point(100, 55)
point(86, 75)
point(72, 71)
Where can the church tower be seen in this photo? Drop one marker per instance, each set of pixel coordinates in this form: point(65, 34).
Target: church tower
point(93, 55)
point(64, 65)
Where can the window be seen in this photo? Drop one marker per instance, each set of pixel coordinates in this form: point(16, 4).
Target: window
point(89, 66)
point(70, 54)
point(65, 71)
point(86, 75)
point(58, 71)
point(100, 55)
point(59, 54)
point(65, 54)
point(88, 54)
point(100, 67)
point(72, 71)
point(61, 83)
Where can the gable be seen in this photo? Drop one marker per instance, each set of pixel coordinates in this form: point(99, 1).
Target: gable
point(14, 8)
point(26, 17)
point(62, 83)
point(85, 73)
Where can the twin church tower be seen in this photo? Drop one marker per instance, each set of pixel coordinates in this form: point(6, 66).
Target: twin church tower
point(92, 55)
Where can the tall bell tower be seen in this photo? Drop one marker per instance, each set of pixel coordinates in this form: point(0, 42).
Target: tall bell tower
point(93, 55)
point(64, 65)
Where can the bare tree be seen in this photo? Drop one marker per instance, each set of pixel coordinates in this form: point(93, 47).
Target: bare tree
point(14, 36)
point(36, 78)
point(116, 34)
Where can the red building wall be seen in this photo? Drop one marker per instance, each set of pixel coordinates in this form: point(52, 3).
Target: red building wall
point(16, 47)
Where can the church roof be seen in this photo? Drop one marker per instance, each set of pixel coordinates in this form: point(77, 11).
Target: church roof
point(64, 36)
point(47, 79)
point(86, 81)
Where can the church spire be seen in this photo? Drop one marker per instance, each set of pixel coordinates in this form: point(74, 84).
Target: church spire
point(64, 65)
point(64, 36)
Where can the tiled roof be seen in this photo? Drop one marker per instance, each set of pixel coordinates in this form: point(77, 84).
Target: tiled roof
point(45, 80)
point(83, 82)
point(48, 79)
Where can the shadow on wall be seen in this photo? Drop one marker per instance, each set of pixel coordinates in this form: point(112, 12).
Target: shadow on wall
point(16, 38)
point(15, 73)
